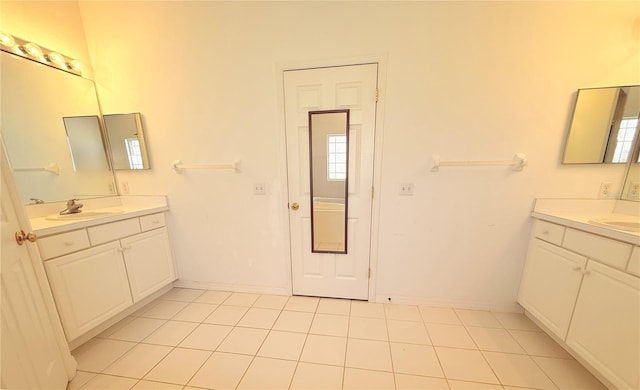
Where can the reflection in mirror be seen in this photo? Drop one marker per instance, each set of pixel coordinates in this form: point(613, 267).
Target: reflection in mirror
point(329, 161)
point(631, 187)
point(604, 125)
point(85, 142)
point(126, 141)
point(35, 98)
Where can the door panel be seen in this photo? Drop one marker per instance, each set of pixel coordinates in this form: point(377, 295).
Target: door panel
point(345, 87)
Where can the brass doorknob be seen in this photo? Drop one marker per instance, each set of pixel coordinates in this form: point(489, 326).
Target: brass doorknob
point(21, 237)
point(295, 206)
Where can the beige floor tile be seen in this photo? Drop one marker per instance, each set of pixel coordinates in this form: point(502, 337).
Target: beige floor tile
point(414, 382)
point(171, 333)
point(257, 317)
point(214, 297)
point(80, 379)
point(102, 381)
point(518, 370)
point(478, 318)
point(276, 302)
point(164, 310)
point(568, 374)
point(368, 354)
point(195, 312)
point(408, 332)
point(465, 365)
point(495, 340)
point(137, 329)
point(246, 341)
point(539, 344)
point(330, 325)
point(334, 306)
point(138, 361)
point(517, 321)
point(367, 309)
point(183, 294)
point(368, 328)
point(221, 371)
point(178, 366)
point(150, 385)
point(415, 359)
point(306, 304)
point(324, 350)
point(402, 312)
point(97, 354)
point(357, 379)
point(282, 345)
point(454, 336)
point(310, 376)
point(241, 299)
point(293, 321)
point(206, 336)
point(109, 331)
point(266, 374)
point(226, 315)
point(462, 385)
point(439, 315)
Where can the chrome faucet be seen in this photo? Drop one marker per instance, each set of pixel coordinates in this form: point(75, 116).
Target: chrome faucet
point(36, 201)
point(72, 207)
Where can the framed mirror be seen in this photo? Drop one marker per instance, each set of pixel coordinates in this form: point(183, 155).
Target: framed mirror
point(126, 141)
point(604, 126)
point(329, 162)
point(85, 143)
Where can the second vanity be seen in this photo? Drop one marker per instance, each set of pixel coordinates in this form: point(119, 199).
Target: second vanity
point(107, 259)
point(581, 283)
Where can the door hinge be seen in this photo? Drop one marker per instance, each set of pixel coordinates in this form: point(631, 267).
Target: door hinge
point(369, 273)
point(377, 94)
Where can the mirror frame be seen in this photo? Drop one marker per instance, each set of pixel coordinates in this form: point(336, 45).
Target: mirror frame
point(346, 180)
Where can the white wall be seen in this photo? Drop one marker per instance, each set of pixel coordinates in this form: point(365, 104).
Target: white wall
point(477, 80)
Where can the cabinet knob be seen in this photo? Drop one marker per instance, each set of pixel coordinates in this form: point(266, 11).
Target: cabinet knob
point(21, 237)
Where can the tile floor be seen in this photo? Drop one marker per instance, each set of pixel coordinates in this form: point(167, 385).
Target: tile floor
point(199, 339)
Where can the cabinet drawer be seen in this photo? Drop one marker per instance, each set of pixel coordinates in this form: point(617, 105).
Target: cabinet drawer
point(549, 232)
point(64, 243)
point(605, 250)
point(634, 263)
point(153, 221)
point(113, 231)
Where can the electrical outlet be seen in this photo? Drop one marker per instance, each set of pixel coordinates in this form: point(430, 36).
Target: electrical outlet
point(406, 188)
point(605, 189)
point(634, 190)
point(259, 189)
point(125, 187)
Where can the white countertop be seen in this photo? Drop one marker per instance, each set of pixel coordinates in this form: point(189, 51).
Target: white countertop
point(578, 214)
point(122, 207)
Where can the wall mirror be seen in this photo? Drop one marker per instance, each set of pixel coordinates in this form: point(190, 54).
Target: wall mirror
point(35, 99)
point(85, 143)
point(604, 126)
point(329, 161)
point(126, 141)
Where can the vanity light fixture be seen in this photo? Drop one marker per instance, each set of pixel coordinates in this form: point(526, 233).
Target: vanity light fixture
point(34, 52)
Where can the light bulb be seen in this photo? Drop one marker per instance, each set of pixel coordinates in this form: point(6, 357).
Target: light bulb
point(56, 58)
point(33, 50)
point(7, 39)
point(75, 65)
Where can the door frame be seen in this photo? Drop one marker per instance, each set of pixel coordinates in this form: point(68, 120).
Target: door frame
point(68, 360)
point(381, 61)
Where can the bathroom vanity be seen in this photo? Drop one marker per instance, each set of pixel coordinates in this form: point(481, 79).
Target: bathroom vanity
point(581, 283)
point(104, 260)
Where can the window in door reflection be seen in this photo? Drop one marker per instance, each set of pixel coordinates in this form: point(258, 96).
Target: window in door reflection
point(337, 157)
point(625, 139)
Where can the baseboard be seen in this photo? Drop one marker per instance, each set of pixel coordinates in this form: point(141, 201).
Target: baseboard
point(456, 303)
point(231, 287)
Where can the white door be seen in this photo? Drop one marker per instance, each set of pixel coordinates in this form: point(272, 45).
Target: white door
point(344, 87)
point(29, 354)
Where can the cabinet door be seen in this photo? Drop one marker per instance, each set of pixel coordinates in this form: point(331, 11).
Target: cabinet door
point(550, 284)
point(605, 329)
point(149, 262)
point(89, 287)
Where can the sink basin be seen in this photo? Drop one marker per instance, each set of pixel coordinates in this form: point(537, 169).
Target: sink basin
point(627, 225)
point(83, 215)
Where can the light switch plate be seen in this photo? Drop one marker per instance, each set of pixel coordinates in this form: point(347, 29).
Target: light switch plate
point(259, 189)
point(406, 189)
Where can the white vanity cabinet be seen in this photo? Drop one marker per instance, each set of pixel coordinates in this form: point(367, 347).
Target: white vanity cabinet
point(581, 287)
point(127, 261)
